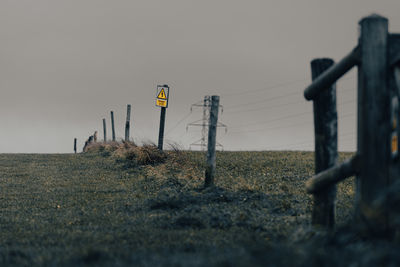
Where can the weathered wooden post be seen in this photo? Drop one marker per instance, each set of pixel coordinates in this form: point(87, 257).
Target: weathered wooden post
point(374, 133)
point(75, 145)
point(395, 88)
point(212, 136)
point(127, 124)
point(104, 130)
point(394, 85)
point(112, 126)
point(325, 128)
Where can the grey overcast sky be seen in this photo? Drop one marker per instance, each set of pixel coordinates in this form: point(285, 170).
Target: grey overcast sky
point(65, 64)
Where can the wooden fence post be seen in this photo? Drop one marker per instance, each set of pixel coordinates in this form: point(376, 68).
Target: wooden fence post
point(374, 127)
point(104, 130)
point(325, 128)
point(394, 83)
point(212, 136)
point(75, 145)
point(127, 124)
point(112, 126)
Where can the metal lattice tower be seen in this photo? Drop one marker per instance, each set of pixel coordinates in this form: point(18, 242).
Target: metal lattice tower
point(204, 123)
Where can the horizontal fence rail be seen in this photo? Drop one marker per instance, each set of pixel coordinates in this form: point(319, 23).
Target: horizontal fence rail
point(332, 74)
point(332, 175)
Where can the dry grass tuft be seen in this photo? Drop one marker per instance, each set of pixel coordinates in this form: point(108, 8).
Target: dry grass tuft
point(148, 154)
point(123, 149)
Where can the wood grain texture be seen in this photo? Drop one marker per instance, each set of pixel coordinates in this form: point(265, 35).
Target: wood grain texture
point(212, 140)
point(325, 128)
point(373, 113)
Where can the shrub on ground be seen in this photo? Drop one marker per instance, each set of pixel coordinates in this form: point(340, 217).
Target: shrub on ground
point(148, 154)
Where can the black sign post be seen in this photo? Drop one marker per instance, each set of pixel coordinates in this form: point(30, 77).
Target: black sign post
point(162, 101)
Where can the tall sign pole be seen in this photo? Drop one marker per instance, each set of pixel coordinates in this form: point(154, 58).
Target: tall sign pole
point(162, 101)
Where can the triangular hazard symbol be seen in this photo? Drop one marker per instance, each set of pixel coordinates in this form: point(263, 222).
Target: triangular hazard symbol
point(162, 95)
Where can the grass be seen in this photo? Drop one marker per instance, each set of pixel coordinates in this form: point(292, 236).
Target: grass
point(100, 209)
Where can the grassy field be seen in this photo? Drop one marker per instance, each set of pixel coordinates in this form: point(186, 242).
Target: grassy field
point(95, 209)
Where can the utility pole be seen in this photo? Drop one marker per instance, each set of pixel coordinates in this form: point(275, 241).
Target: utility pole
point(204, 123)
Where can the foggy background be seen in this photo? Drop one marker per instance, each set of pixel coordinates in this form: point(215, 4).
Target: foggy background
point(64, 65)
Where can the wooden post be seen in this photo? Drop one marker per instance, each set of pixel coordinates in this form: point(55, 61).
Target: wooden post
point(325, 128)
point(127, 124)
point(394, 83)
point(161, 130)
point(75, 145)
point(104, 130)
point(394, 171)
point(395, 89)
point(212, 140)
point(112, 126)
point(374, 133)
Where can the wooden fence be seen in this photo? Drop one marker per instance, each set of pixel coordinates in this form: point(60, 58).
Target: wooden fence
point(376, 163)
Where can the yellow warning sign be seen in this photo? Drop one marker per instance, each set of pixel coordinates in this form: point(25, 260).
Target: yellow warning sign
point(162, 95)
point(394, 144)
point(161, 103)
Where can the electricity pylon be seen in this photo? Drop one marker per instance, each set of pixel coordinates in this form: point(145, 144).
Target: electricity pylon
point(204, 123)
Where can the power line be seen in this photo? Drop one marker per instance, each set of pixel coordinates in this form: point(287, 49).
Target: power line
point(265, 100)
point(265, 88)
point(268, 99)
point(179, 122)
point(270, 128)
point(260, 108)
point(283, 105)
point(279, 85)
point(276, 119)
point(204, 123)
point(282, 127)
point(309, 142)
point(266, 107)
